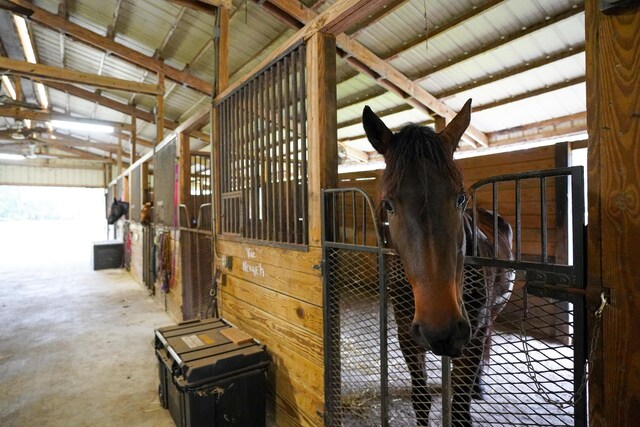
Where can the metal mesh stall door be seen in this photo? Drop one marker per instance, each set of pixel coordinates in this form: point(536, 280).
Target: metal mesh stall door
point(355, 330)
point(527, 370)
point(197, 261)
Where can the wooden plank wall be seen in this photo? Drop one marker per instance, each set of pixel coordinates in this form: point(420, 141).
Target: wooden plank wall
point(275, 294)
point(613, 117)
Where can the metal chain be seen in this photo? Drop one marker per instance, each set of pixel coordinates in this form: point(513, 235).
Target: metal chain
point(588, 364)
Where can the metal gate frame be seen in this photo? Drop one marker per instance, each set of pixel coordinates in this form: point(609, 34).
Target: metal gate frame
point(544, 279)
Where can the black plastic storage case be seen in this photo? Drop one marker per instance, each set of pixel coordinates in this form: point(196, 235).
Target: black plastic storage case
point(107, 254)
point(206, 379)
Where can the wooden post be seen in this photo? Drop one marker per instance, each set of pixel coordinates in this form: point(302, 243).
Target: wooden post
point(223, 50)
point(322, 126)
point(184, 167)
point(119, 155)
point(222, 58)
point(160, 111)
point(613, 119)
point(144, 184)
point(134, 140)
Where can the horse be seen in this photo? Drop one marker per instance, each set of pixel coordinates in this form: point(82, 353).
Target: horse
point(145, 213)
point(422, 196)
point(118, 209)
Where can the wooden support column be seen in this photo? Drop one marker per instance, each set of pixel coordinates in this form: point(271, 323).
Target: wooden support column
point(322, 126)
point(144, 183)
point(134, 140)
point(160, 111)
point(613, 120)
point(440, 123)
point(223, 50)
point(184, 167)
point(119, 155)
point(222, 79)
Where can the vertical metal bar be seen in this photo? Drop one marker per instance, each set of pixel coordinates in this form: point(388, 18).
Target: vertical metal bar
point(447, 393)
point(261, 144)
point(353, 215)
point(303, 121)
point(495, 220)
point(254, 159)
point(384, 362)
point(296, 124)
point(267, 136)
point(246, 196)
point(334, 221)
point(364, 220)
point(475, 223)
point(543, 217)
point(287, 150)
point(343, 208)
point(518, 220)
point(274, 156)
point(281, 143)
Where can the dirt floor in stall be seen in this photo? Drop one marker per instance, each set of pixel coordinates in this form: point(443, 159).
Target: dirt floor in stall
point(75, 344)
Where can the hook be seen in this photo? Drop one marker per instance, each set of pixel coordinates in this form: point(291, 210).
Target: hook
point(603, 303)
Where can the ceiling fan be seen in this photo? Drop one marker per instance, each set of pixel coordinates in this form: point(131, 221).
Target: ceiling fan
point(26, 148)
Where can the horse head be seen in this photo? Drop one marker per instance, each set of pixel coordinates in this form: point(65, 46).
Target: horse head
point(422, 192)
point(118, 209)
point(145, 213)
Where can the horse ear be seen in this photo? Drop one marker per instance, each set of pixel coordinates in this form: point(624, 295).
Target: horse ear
point(377, 132)
point(115, 200)
point(451, 134)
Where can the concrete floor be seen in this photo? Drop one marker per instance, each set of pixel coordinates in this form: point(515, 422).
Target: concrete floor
point(75, 344)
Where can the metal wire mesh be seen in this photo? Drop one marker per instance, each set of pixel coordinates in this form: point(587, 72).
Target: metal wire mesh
point(135, 197)
point(197, 260)
point(523, 365)
point(164, 185)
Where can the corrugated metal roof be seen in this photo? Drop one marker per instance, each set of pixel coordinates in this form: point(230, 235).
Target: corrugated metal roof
point(185, 38)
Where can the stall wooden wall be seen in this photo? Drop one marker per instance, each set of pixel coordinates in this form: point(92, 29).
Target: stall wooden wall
point(613, 117)
point(275, 293)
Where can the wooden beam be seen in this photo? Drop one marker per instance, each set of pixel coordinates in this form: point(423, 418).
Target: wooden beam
point(539, 131)
point(119, 160)
point(56, 22)
point(61, 139)
point(196, 5)
point(47, 72)
point(184, 168)
point(321, 125)
point(501, 41)
point(613, 109)
point(39, 115)
point(417, 96)
point(119, 106)
point(134, 140)
point(218, 3)
point(111, 29)
point(160, 111)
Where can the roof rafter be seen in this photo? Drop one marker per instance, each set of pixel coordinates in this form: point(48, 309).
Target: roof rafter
point(56, 22)
point(39, 115)
point(47, 72)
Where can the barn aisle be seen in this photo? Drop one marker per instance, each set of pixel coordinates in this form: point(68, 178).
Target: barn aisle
point(76, 343)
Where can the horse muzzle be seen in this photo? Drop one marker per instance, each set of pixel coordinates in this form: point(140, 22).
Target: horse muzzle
point(448, 341)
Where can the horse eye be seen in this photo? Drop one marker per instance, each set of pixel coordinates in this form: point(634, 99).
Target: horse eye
point(388, 206)
point(461, 199)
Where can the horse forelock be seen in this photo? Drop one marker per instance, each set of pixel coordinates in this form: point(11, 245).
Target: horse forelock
point(417, 145)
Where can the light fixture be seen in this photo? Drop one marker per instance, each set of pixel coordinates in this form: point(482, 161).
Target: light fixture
point(29, 53)
point(8, 156)
point(88, 127)
point(9, 87)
